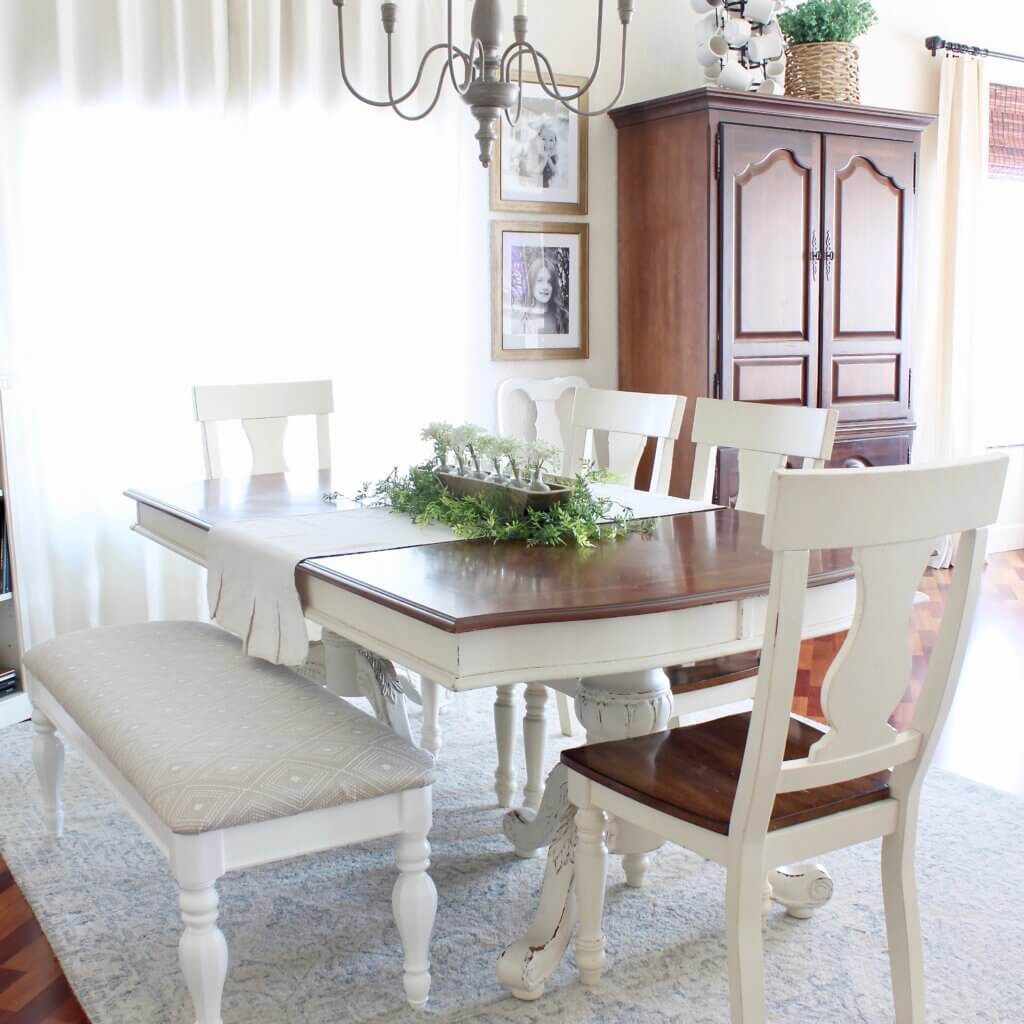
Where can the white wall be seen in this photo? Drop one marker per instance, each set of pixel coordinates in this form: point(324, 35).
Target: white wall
point(896, 71)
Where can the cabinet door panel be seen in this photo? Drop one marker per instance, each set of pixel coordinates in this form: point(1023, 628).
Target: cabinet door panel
point(868, 221)
point(769, 315)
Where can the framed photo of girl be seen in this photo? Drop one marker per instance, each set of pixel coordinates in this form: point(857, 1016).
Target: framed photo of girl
point(539, 290)
point(541, 162)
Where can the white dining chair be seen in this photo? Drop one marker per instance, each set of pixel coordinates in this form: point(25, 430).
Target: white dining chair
point(264, 412)
point(766, 788)
point(766, 437)
point(544, 398)
point(630, 419)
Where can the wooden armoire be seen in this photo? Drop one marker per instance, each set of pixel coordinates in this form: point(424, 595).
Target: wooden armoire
point(766, 254)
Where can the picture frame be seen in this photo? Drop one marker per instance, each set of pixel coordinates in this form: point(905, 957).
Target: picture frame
point(540, 290)
point(541, 165)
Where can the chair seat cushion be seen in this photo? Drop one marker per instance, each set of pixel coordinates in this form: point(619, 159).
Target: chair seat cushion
point(211, 738)
point(692, 773)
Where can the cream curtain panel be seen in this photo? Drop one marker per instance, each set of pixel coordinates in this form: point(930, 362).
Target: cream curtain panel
point(948, 402)
point(187, 196)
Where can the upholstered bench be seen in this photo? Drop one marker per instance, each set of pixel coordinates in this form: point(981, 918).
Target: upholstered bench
point(228, 762)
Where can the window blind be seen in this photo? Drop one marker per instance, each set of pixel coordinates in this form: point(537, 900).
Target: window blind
point(1006, 132)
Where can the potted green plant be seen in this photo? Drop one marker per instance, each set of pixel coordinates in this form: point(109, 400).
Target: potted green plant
point(822, 61)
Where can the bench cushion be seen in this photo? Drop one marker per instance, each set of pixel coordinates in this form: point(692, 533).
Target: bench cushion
point(211, 738)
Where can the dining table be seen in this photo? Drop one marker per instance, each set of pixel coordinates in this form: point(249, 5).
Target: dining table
point(471, 614)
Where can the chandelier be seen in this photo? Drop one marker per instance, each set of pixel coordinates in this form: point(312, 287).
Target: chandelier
point(488, 78)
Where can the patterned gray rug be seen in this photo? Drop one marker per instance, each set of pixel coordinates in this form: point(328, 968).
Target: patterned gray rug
point(312, 941)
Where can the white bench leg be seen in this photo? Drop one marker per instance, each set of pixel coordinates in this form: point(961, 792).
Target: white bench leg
point(430, 738)
point(202, 951)
point(414, 898)
point(48, 759)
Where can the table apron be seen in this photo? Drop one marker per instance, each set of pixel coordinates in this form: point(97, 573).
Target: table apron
point(540, 652)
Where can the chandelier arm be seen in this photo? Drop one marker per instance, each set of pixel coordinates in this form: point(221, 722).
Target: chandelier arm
point(415, 85)
point(466, 59)
point(555, 95)
point(513, 121)
point(453, 51)
point(394, 104)
point(517, 49)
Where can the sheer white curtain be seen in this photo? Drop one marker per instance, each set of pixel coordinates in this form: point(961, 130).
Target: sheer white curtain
point(186, 195)
point(950, 364)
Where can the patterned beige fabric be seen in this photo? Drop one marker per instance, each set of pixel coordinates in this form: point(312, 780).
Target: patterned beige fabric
point(211, 738)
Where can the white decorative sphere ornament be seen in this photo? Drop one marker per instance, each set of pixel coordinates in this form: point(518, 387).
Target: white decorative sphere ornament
point(740, 45)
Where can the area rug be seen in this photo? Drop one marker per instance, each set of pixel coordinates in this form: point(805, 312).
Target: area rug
point(312, 941)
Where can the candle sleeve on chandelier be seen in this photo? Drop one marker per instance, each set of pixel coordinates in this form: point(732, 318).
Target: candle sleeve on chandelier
point(521, 8)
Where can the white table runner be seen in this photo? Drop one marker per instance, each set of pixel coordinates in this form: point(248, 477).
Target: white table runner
point(251, 563)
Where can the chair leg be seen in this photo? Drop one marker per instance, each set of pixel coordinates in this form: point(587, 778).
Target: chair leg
point(431, 736)
point(591, 877)
point(535, 739)
point(414, 903)
point(903, 926)
point(566, 719)
point(202, 951)
point(48, 759)
point(505, 742)
point(744, 923)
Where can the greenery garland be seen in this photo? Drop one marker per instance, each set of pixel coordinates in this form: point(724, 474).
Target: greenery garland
point(583, 519)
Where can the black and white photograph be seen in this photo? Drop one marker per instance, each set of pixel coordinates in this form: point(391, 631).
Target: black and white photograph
point(541, 165)
point(540, 291)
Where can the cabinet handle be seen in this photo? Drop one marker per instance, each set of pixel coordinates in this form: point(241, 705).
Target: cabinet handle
point(828, 256)
point(815, 255)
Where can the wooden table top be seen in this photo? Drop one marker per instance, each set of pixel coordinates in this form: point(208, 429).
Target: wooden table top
point(688, 560)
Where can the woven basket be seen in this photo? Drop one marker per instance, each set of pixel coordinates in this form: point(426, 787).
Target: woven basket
point(823, 71)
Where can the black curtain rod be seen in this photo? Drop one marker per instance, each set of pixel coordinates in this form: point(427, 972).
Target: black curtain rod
point(937, 43)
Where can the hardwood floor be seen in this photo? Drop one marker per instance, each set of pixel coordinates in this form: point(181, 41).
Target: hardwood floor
point(981, 742)
point(33, 989)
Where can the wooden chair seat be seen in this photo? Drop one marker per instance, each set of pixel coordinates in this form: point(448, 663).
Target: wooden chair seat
point(714, 672)
point(692, 773)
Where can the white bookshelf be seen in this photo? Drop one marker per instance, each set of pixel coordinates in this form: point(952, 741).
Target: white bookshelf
point(15, 707)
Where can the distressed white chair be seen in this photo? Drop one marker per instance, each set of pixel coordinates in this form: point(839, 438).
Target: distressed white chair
point(757, 790)
point(227, 762)
point(629, 419)
point(765, 437)
point(264, 412)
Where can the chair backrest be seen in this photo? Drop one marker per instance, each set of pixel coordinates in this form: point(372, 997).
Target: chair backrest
point(765, 436)
point(890, 518)
point(263, 410)
point(544, 395)
point(630, 418)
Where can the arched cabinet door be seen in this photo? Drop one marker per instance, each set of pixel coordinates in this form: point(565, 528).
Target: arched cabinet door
point(770, 183)
point(868, 220)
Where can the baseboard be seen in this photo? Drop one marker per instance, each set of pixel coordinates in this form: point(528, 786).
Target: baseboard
point(1005, 537)
point(15, 708)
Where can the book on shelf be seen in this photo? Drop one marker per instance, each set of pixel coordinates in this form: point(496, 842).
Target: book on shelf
point(8, 683)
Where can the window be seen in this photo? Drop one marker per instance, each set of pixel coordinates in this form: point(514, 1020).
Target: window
point(1006, 132)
